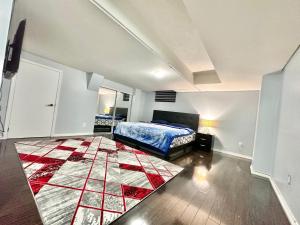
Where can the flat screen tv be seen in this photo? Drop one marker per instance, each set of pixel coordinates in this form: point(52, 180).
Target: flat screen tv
point(13, 52)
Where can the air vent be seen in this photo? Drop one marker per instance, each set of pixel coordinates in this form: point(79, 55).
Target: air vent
point(126, 97)
point(165, 96)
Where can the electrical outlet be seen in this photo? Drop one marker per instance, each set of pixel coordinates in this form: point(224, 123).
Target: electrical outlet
point(289, 180)
point(84, 124)
point(241, 145)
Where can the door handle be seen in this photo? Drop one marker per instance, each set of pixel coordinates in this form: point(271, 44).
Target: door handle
point(50, 105)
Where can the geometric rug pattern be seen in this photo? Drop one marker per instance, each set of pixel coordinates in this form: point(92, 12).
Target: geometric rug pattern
point(89, 181)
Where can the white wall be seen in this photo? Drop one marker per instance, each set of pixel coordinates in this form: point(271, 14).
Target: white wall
point(77, 105)
point(288, 142)
point(138, 104)
point(267, 123)
point(235, 113)
point(279, 129)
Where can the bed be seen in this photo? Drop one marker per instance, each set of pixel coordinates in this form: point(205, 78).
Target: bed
point(104, 122)
point(169, 135)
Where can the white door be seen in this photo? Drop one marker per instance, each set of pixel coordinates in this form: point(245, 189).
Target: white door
point(34, 101)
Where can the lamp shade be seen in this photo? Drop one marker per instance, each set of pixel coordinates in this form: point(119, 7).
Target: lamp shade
point(106, 110)
point(207, 123)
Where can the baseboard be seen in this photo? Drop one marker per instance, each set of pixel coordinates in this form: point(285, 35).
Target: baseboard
point(72, 134)
point(284, 204)
point(258, 174)
point(279, 195)
point(233, 154)
point(3, 137)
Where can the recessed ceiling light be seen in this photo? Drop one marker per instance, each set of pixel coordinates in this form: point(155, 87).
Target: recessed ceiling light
point(159, 74)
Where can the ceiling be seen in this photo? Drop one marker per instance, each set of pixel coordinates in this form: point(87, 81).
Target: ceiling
point(246, 38)
point(158, 45)
point(84, 37)
point(167, 21)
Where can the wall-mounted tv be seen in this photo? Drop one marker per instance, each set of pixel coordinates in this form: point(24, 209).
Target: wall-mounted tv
point(13, 52)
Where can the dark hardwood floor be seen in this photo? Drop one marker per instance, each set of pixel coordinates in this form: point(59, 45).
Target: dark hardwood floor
point(17, 205)
point(213, 189)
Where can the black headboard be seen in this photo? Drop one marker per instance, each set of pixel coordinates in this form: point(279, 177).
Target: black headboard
point(188, 119)
point(119, 111)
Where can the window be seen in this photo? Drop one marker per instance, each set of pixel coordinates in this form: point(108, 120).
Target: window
point(126, 97)
point(165, 96)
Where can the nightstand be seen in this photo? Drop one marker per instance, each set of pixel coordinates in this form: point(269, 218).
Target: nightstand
point(204, 141)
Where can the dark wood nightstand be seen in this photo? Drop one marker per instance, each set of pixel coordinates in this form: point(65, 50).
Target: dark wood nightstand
point(204, 141)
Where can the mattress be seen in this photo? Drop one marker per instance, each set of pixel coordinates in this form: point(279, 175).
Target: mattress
point(107, 120)
point(182, 140)
point(159, 136)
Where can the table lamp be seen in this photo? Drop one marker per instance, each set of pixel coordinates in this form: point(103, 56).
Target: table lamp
point(106, 110)
point(206, 124)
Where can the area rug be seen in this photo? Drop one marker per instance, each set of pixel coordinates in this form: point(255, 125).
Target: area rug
point(90, 180)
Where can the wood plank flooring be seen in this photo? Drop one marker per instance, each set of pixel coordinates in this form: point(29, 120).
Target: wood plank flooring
point(213, 189)
point(17, 205)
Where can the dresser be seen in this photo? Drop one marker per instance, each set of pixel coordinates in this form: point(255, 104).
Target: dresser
point(204, 141)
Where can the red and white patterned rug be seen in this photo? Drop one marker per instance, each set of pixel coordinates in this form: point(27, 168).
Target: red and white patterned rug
point(90, 180)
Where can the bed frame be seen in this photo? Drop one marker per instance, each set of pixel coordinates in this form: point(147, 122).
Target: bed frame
point(188, 119)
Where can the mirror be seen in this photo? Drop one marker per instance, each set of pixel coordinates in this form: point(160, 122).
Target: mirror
point(104, 115)
point(112, 107)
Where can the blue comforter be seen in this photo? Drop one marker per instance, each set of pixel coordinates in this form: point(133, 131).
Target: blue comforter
point(157, 135)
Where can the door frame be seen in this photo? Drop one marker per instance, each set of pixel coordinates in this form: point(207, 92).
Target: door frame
point(12, 94)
